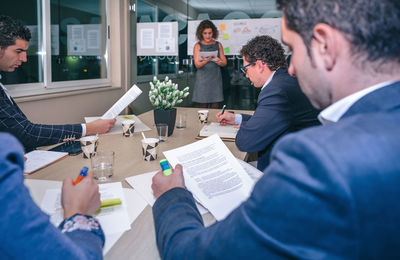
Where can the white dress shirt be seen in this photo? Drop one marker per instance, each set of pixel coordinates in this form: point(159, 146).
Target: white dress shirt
point(335, 111)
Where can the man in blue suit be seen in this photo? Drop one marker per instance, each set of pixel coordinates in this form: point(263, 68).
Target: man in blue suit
point(26, 230)
point(14, 40)
point(281, 107)
point(332, 191)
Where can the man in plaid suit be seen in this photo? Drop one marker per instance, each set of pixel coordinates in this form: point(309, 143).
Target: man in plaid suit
point(14, 41)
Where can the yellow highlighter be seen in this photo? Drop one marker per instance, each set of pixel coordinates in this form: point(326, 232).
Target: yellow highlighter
point(110, 202)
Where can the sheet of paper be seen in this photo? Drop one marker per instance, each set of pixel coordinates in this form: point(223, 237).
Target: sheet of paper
point(213, 175)
point(123, 102)
point(206, 54)
point(135, 204)
point(117, 128)
point(142, 184)
point(38, 159)
point(227, 131)
point(254, 173)
point(113, 219)
point(147, 38)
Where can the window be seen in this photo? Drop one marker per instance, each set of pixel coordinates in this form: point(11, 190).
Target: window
point(69, 45)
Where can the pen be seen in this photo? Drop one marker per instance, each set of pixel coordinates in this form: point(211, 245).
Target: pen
point(81, 175)
point(166, 170)
point(110, 202)
point(223, 109)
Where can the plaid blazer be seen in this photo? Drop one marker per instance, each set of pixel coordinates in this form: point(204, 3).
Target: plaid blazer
point(14, 121)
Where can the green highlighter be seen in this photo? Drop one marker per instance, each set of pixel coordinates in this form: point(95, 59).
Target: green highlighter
point(166, 170)
point(110, 202)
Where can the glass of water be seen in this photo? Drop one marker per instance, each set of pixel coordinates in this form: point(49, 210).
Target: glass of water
point(102, 165)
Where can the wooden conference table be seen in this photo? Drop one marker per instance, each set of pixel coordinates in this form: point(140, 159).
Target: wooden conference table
point(139, 242)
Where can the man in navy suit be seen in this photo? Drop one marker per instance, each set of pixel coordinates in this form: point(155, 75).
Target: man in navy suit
point(79, 236)
point(14, 41)
point(281, 107)
point(331, 191)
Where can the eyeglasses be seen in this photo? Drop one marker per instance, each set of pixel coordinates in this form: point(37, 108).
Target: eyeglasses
point(244, 68)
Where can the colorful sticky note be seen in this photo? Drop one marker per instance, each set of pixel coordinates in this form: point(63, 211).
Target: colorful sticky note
point(227, 50)
point(225, 36)
point(222, 27)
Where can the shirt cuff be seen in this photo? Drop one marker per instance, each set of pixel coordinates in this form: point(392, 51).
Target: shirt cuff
point(238, 119)
point(83, 130)
point(83, 223)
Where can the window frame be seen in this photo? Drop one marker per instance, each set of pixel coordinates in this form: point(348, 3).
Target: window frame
point(47, 86)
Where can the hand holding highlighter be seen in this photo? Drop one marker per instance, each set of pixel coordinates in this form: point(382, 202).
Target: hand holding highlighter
point(166, 169)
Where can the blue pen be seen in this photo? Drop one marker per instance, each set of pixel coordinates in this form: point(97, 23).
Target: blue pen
point(223, 109)
point(81, 175)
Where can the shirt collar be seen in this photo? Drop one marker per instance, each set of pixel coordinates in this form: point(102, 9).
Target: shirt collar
point(335, 111)
point(269, 79)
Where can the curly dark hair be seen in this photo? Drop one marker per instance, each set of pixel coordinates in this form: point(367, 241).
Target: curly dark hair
point(371, 26)
point(10, 30)
point(205, 25)
point(266, 49)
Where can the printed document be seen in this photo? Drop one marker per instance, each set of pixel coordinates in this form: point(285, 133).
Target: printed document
point(132, 200)
point(142, 184)
point(225, 131)
point(122, 103)
point(213, 175)
point(113, 219)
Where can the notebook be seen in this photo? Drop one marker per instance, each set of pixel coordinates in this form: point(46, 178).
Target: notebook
point(39, 159)
point(226, 132)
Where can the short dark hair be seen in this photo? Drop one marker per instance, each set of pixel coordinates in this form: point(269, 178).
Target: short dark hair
point(266, 49)
point(371, 26)
point(10, 30)
point(206, 24)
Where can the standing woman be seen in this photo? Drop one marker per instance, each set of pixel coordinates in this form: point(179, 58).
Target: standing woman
point(208, 85)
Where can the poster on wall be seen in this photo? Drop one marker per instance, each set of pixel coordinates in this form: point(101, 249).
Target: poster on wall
point(157, 39)
point(233, 34)
point(84, 39)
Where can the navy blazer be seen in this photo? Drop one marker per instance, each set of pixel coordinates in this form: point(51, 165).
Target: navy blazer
point(21, 220)
point(330, 192)
point(14, 121)
point(281, 108)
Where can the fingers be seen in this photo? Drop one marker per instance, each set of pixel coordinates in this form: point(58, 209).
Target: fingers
point(178, 169)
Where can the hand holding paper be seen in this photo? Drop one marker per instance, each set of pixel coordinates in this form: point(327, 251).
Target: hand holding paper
point(99, 126)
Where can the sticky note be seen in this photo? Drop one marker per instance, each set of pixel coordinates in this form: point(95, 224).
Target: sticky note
point(222, 27)
point(225, 36)
point(227, 50)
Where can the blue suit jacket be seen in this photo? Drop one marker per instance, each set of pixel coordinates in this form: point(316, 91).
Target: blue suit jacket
point(281, 108)
point(26, 232)
point(330, 192)
point(13, 120)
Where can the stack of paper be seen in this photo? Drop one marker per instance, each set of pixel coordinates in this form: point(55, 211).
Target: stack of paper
point(38, 159)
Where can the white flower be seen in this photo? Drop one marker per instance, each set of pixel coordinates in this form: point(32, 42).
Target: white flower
point(186, 94)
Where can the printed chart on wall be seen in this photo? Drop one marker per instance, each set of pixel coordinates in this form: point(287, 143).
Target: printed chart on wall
point(157, 39)
point(233, 34)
